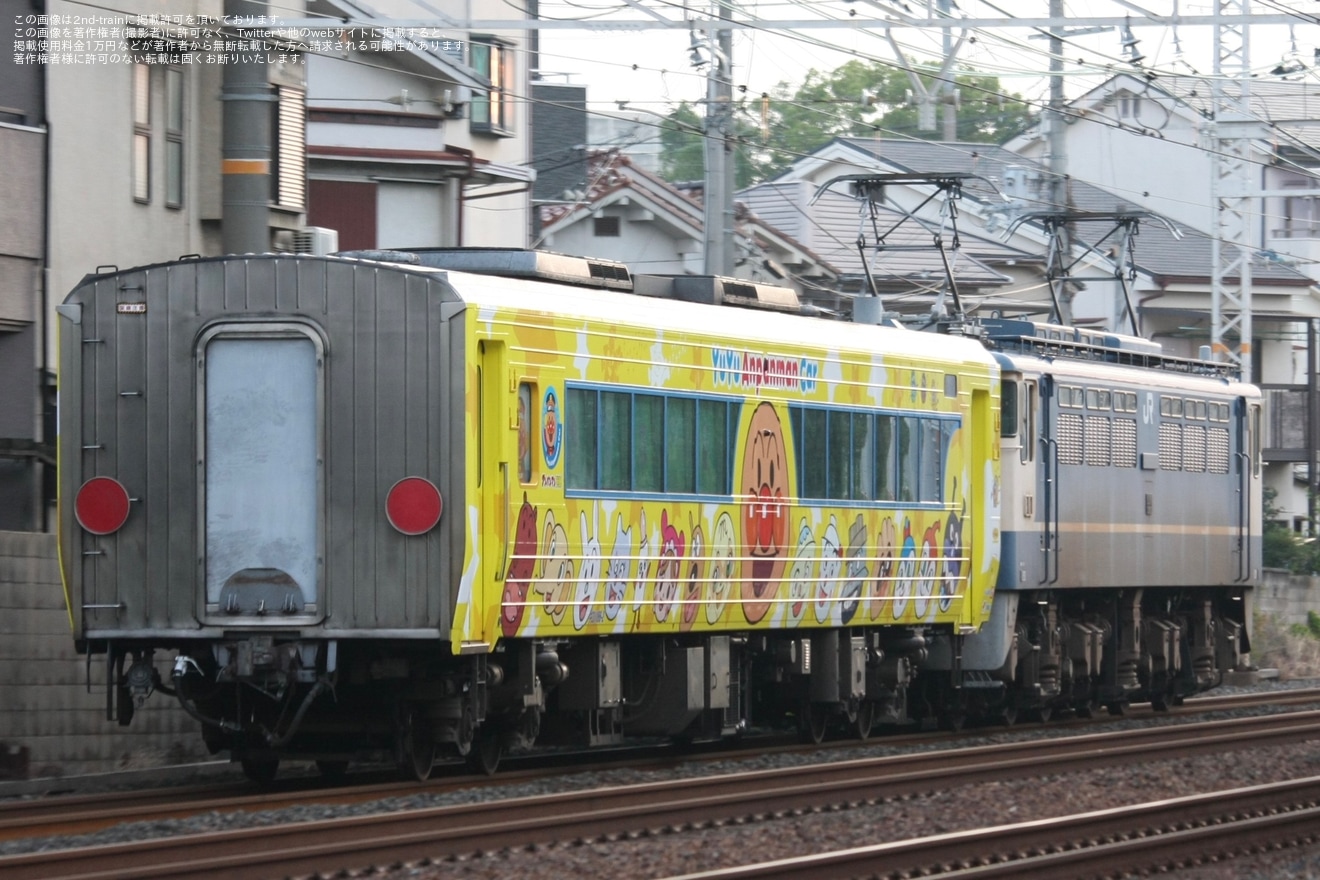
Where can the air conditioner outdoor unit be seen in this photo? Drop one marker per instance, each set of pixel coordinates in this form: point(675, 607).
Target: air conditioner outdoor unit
point(315, 240)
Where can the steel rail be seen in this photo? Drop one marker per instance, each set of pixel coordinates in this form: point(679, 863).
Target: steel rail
point(1155, 836)
point(69, 814)
point(594, 814)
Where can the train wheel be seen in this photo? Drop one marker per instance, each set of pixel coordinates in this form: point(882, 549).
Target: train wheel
point(953, 720)
point(416, 747)
point(1160, 702)
point(1042, 714)
point(489, 749)
point(812, 721)
point(332, 769)
point(260, 770)
point(1008, 715)
point(865, 719)
point(1116, 708)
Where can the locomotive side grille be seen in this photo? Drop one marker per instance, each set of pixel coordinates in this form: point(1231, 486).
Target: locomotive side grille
point(1070, 438)
point(1170, 446)
point(1125, 443)
point(1216, 451)
point(1194, 448)
point(1098, 441)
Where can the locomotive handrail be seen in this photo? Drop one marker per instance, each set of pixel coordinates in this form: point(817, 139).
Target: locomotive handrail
point(504, 515)
point(1050, 464)
point(1243, 526)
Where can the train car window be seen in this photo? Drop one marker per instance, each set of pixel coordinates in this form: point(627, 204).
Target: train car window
point(863, 457)
point(1071, 396)
point(931, 463)
point(1171, 407)
point(524, 432)
point(713, 447)
point(1217, 412)
point(615, 430)
point(886, 458)
point(839, 456)
point(648, 428)
point(812, 457)
point(1097, 399)
point(1008, 402)
point(580, 457)
point(909, 452)
point(1125, 401)
point(1195, 409)
point(681, 444)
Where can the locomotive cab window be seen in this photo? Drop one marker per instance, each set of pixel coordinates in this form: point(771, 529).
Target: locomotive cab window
point(1008, 425)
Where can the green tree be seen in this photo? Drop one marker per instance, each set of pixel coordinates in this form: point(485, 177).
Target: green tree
point(775, 129)
point(683, 142)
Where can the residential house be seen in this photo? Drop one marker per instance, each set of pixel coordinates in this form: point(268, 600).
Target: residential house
point(422, 140)
point(26, 459)
point(630, 215)
point(113, 146)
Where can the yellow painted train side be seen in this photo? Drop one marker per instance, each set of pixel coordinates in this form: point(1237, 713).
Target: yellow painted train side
point(549, 558)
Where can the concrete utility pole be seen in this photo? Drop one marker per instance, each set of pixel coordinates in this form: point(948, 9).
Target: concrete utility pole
point(950, 86)
point(245, 145)
point(717, 197)
point(1056, 160)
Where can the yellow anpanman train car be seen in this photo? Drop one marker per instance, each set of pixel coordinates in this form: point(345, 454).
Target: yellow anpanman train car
point(418, 503)
point(644, 473)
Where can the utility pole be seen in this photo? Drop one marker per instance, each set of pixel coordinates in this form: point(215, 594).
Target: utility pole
point(717, 195)
point(950, 85)
point(1056, 161)
point(245, 141)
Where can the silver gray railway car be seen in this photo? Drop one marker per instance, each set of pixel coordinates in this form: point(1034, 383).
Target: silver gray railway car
point(1131, 522)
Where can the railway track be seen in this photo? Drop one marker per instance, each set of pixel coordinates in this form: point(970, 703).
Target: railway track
point(72, 814)
point(605, 814)
point(1144, 838)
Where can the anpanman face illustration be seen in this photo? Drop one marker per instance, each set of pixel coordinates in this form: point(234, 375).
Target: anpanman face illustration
point(764, 489)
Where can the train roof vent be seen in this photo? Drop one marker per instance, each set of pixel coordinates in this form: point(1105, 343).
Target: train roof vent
point(715, 290)
point(519, 263)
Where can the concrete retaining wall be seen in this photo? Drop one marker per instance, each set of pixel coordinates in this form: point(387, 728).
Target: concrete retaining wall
point(45, 706)
point(1287, 596)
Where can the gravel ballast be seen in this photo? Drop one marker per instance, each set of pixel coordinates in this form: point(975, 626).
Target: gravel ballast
point(957, 808)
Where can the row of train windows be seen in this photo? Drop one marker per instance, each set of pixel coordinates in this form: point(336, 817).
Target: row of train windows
point(634, 441)
point(1103, 400)
point(867, 456)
